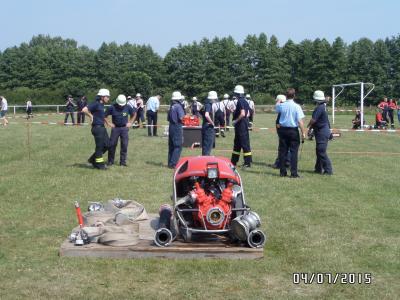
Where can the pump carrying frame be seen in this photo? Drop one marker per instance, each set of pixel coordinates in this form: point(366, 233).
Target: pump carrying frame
point(362, 97)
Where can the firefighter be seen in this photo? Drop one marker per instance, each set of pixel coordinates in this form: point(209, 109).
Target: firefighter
point(82, 102)
point(175, 131)
point(196, 107)
point(227, 105)
point(120, 112)
point(241, 124)
point(280, 99)
point(252, 110)
point(95, 112)
point(320, 123)
point(219, 117)
point(207, 129)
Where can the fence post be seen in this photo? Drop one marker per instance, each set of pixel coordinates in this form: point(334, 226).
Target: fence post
point(58, 109)
point(14, 110)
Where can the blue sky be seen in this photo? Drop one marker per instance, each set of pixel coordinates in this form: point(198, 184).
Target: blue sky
point(165, 24)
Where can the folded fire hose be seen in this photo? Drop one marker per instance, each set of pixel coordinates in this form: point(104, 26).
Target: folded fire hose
point(114, 223)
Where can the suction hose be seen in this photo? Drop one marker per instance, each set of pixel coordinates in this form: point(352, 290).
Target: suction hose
point(256, 239)
point(164, 236)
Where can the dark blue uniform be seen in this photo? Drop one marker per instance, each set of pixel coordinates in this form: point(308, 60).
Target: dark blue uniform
point(69, 110)
point(322, 132)
point(207, 131)
point(81, 104)
point(120, 116)
point(242, 138)
point(175, 133)
point(99, 133)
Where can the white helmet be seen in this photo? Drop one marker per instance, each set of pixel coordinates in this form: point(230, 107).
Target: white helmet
point(103, 93)
point(239, 89)
point(280, 98)
point(319, 96)
point(212, 95)
point(138, 95)
point(121, 100)
point(248, 96)
point(194, 98)
point(176, 96)
point(226, 96)
point(183, 98)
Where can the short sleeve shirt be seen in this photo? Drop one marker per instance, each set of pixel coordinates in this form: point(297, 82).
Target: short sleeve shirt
point(320, 117)
point(97, 109)
point(176, 113)
point(290, 113)
point(120, 114)
point(241, 104)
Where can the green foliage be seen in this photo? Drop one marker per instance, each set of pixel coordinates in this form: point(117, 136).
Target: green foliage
point(56, 66)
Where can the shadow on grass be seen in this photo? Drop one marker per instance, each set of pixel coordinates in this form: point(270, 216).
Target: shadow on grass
point(156, 164)
point(81, 165)
point(258, 171)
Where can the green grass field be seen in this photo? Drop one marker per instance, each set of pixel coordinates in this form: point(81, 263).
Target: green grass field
point(345, 223)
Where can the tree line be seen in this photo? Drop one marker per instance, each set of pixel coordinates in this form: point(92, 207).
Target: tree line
point(48, 68)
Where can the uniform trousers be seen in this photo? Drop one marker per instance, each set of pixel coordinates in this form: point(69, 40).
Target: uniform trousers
point(151, 120)
point(116, 133)
point(102, 141)
point(207, 139)
point(289, 139)
point(323, 163)
point(175, 141)
point(241, 141)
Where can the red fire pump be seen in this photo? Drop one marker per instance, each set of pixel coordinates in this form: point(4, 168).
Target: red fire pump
point(191, 121)
point(208, 199)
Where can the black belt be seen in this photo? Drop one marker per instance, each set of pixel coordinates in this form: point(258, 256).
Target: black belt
point(282, 127)
point(97, 126)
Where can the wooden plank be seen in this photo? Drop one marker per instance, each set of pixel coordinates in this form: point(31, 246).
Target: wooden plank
point(213, 248)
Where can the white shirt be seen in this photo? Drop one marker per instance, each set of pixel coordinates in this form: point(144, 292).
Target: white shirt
point(218, 105)
point(28, 104)
point(153, 104)
point(251, 104)
point(4, 105)
point(132, 103)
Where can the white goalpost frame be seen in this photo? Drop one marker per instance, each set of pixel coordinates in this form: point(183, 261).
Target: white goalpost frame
point(362, 97)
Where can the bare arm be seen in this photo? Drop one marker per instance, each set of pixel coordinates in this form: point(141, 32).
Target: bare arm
point(129, 124)
point(88, 113)
point(303, 132)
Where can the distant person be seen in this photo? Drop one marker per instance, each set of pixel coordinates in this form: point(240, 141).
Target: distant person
point(152, 106)
point(131, 102)
point(140, 110)
point(196, 107)
point(291, 119)
point(28, 109)
point(175, 130)
point(69, 109)
point(320, 123)
point(252, 110)
point(380, 123)
point(241, 124)
point(398, 111)
point(219, 117)
point(280, 99)
point(228, 111)
point(207, 128)
point(391, 108)
point(357, 120)
point(3, 110)
point(96, 113)
point(384, 106)
point(122, 116)
point(82, 102)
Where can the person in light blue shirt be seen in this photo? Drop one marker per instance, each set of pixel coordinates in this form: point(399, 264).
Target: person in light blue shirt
point(152, 106)
point(291, 118)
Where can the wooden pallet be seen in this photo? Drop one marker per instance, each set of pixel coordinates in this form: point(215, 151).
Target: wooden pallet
point(212, 248)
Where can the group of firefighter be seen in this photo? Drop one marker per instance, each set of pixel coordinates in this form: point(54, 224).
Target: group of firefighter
point(384, 116)
point(216, 117)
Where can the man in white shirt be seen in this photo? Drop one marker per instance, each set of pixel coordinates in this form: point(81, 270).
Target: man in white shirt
point(252, 110)
point(28, 109)
point(152, 106)
point(3, 111)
